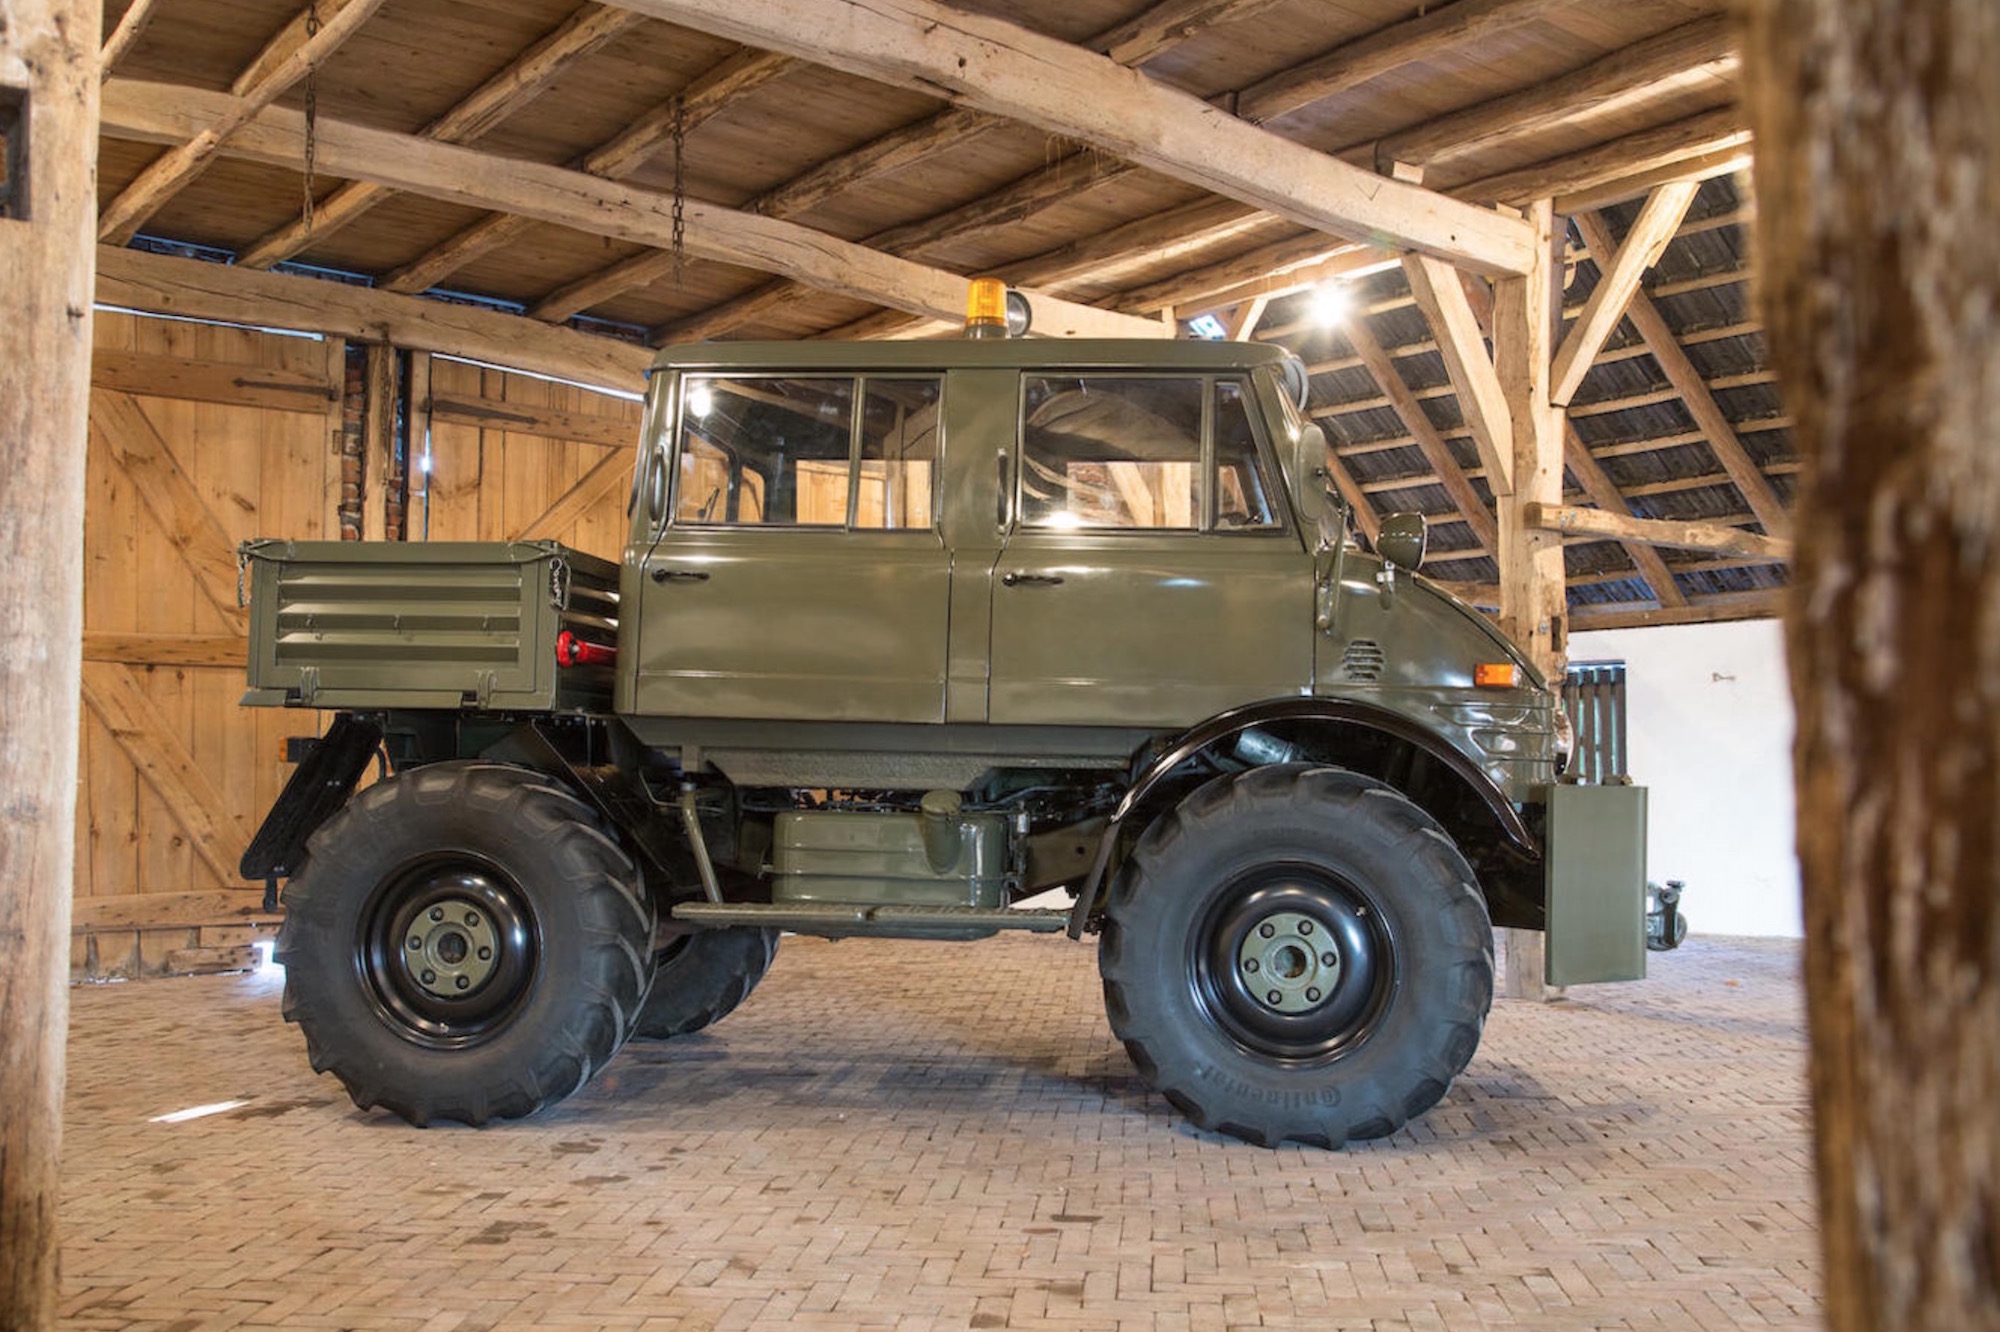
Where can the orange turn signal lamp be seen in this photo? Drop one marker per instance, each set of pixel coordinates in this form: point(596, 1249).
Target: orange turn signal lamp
point(1496, 675)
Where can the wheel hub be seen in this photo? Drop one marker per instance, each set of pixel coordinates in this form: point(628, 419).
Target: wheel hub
point(1287, 963)
point(452, 948)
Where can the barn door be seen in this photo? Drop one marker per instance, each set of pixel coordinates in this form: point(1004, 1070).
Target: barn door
point(200, 436)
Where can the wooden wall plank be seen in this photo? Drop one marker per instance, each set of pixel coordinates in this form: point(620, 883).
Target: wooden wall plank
point(131, 911)
point(208, 381)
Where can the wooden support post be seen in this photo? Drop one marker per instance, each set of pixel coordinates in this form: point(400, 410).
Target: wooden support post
point(1532, 604)
point(378, 441)
point(48, 118)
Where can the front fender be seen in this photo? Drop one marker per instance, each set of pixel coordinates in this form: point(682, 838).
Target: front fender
point(1341, 712)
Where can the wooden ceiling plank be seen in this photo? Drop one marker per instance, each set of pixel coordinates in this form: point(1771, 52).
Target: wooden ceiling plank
point(1689, 535)
point(1008, 70)
point(1468, 364)
point(615, 159)
point(1355, 63)
point(593, 205)
point(1617, 283)
point(1062, 180)
point(1597, 484)
point(226, 293)
point(523, 80)
point(121, 219)
point(1411, 412)
point(1695, 394)
point(1168, 24)
point(1630, 76)
point(132, 25)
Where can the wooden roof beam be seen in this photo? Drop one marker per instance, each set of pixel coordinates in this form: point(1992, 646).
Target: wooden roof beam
point(615, 159)
point(229, 294)
point(1654, 532)
point(587, 203)
point(1695, 394)
point(132, 25)
point(524, 79)
point(1007, 70)
point(1411, 412)
point(1629, 77)
point(289, 57)
point(1352, 64)
point(1617, 283)
point(1670, 150)
point(1711, 609)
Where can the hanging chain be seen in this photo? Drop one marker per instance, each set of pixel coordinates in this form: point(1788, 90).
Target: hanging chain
point(312, 114)
point(680, 189)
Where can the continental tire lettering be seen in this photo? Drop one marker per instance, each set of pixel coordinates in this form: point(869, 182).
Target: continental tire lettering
point(1236, 1087)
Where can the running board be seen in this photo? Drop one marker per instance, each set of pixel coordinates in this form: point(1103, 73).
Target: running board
point(835, 920)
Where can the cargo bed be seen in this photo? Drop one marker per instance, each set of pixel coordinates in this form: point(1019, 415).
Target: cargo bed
point(446, 624)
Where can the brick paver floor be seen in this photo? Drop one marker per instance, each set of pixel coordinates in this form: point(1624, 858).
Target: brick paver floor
point(946, 1135)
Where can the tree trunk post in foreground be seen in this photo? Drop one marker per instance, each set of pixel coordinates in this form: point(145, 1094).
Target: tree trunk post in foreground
point(1878, 184)
point(48, 217)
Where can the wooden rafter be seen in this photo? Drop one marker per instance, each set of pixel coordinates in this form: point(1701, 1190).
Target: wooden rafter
point(283, 64)
point(1597, 484)
point(1617, 283)
point(1701, 405)
point(1468, 364)
point(1436, 452)
point(508, 91)
point(1667, 150)
point(1152, 33)
point(132, 25)
point(1008, 70)
point(1629, 77)
point(616, 159)
point(588, 203)
point(1355, 63)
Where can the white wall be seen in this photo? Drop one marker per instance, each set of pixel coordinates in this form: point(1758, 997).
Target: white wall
point(1709, 710)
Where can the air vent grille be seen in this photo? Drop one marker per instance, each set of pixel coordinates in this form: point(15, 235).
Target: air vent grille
point(1363, 660)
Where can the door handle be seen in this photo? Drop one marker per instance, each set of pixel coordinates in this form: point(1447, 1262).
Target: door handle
point(680, 575)
point(1015, 578)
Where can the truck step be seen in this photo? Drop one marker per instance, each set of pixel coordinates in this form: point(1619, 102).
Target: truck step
point(836, 920)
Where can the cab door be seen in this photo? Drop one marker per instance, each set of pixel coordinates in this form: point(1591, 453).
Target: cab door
point(1152, 575)
point(799, 574)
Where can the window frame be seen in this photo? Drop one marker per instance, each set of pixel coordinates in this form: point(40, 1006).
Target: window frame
point(1209, 478)
point(858, 382)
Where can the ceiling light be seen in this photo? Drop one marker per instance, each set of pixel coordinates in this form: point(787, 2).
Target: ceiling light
point(1332, 302)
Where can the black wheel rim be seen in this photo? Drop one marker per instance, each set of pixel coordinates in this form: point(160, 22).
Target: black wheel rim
point(1294, 963)
point(448, 951)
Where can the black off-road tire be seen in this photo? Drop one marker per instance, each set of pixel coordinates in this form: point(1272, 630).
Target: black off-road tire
point(466, 942)
point(1297, 953)
point(701, 977)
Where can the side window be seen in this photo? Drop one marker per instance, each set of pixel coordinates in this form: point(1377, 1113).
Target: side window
point(899, 453)
point(765, 451)
point(1108, 451)
point(1243, 495)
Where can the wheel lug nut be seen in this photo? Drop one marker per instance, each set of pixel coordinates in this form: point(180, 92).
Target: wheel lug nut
point(1275, 997)
point(486, 955)
point(1267, 929)
point(1312, 996)
point(430, 977)
point(1250, 964)
point(472, 917)
point(416, 944)
point(437, 913)
point(1305, 927)
point(462, 982)
point(1327, 959)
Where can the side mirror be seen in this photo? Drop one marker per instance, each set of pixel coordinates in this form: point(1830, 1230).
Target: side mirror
point(1403, 539)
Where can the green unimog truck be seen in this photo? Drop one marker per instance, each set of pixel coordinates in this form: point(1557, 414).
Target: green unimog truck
point(906, 638)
